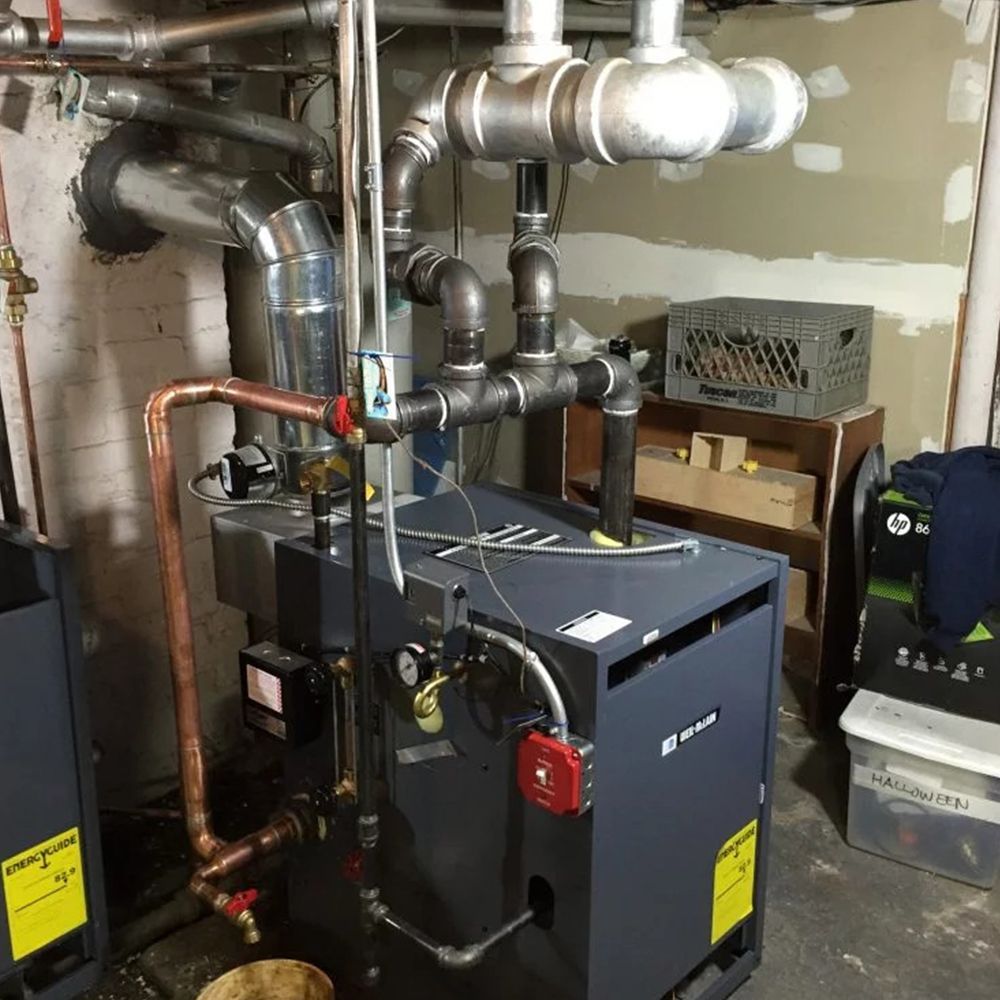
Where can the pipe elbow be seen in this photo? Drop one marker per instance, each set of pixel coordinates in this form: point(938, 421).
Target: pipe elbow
point(462, 294)
point(772, 103)
point(275, 221)
point(612, 380)
point(460, 959)
point(534, 267)
point(624, 395)
point(433, 277)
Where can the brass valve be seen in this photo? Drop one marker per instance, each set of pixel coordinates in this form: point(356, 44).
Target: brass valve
point(315, 477)
point(18, 285)
point(427, 700)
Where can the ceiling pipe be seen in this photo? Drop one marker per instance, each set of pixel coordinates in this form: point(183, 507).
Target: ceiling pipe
point(142, 100)
point(577, 17)
point(141, 39)
point(657, 26)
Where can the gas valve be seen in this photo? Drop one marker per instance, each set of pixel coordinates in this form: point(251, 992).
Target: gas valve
point(556, 775)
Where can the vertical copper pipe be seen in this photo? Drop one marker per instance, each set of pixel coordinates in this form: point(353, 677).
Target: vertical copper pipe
point(24, 383)
point(170, 544)
point(30, 435)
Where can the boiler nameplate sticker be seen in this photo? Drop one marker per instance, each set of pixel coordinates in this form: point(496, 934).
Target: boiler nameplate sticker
point(594, 626)
point(735, 866)
point(44, 894)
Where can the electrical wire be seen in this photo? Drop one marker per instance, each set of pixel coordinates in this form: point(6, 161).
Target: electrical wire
point(555, 228)
point(446, 538)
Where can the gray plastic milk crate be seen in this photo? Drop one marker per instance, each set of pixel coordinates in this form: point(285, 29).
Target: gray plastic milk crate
point(792, 359)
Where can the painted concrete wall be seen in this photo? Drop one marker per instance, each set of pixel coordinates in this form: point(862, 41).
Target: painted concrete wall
point(101, 335)
point(872, 203)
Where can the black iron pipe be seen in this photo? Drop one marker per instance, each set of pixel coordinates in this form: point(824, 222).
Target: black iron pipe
point(432, 277)
point(448, 956)
point(531, 207)
point(614, 382)
point(321, 505)
point(534, 267)
point(617, 494)
point(368, 822)
point(8, 485)
point(402, 171)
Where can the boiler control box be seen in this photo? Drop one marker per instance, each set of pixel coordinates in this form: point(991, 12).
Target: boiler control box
point(283, 693)
point(556, 775)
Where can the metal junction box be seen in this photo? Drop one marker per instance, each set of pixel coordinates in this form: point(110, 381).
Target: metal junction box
point(669, 667)
point(53, 929)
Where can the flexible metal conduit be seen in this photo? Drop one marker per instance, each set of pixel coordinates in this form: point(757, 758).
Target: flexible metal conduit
point(291, 240)
point(145, 38)
point(143, 100)
point(538, 670)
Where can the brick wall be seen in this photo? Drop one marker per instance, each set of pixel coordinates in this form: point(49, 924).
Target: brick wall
point(100, 336)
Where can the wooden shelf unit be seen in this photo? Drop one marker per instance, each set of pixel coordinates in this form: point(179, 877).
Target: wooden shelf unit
point(818, 647)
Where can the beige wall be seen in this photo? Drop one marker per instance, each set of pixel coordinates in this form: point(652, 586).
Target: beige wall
point(871, 204)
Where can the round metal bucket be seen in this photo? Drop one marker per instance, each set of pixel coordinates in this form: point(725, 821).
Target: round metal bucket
point(274, 979)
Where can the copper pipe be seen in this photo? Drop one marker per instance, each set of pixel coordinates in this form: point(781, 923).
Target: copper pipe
point(21, 364)
point(170, 544)
point(269, 840)
point(30, 434)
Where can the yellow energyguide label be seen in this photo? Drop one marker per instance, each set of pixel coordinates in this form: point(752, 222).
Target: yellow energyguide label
point(732, 897)
point(44, 894)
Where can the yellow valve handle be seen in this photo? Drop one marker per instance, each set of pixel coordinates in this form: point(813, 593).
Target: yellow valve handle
point(340, 465)
point(314, 476)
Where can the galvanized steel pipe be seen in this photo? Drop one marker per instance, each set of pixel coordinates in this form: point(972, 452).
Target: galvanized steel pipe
point(143, 100)
point(657, 26)
point(609, 112)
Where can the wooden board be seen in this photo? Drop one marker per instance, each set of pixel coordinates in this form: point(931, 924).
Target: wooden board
point(722, 452)
point(768, 496)
point(797, 605)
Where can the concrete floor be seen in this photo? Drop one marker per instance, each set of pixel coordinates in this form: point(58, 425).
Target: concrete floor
point(840, 922)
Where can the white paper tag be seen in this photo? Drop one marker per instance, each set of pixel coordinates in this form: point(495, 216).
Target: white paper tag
point(264, 688)
point(926, 796)
point(594, 626)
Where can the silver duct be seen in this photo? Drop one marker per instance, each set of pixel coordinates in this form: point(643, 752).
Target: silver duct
point(142, 100)
point(291, 241)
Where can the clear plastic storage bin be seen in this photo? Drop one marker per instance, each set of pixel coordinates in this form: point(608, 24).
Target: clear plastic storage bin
point(925, 787)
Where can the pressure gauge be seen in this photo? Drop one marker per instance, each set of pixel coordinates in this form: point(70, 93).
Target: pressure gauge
point(412, 665)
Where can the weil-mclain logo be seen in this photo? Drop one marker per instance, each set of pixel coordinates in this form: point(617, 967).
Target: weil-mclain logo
point(42, 858)
point(671, 743)
point(899, 524)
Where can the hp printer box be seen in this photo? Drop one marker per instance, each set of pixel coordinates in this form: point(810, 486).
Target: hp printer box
point(893, 655)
